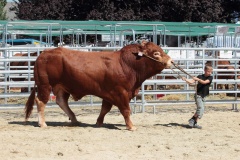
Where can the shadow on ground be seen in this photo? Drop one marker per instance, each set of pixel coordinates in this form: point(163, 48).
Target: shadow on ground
point(175, 125)
point(66, 124)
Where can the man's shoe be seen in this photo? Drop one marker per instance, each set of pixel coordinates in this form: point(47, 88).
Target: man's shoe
point(197, 126)
point(191, 122)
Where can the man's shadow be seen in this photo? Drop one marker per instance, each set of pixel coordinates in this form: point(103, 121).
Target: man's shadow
point(175, 125)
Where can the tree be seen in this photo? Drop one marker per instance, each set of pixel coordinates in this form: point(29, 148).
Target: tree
point(42, 9)
point(111, 10)
point(231, 12)
point(205, 11)
point(2, 12)
point(193, 11)
point(148, 10)
point(118, 10)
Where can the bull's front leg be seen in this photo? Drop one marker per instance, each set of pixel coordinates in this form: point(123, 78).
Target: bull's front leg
point(123, 105)
point(126, 112)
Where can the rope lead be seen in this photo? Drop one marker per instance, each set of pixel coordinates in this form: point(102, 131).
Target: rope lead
point(178, 67)
point(181, 69)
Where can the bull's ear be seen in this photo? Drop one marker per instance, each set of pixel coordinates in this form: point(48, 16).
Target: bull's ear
point(141, 53)
point(156, 54)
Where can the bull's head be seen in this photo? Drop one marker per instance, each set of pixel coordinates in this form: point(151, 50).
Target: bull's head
point(155, 53)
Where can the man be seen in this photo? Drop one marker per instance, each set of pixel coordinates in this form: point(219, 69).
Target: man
point(204, 82)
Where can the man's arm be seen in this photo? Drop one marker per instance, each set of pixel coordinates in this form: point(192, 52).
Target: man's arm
point(189, 81)
point(202, 81)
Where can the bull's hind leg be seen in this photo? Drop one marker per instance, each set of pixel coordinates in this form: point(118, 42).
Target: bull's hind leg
point(62, 100)
point(41, 101)
point(41, 117)
point(106, 107)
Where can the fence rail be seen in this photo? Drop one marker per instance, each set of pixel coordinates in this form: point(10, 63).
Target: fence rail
point(192, 64)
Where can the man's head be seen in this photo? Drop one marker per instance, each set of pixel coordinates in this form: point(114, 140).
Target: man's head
point(208, 70)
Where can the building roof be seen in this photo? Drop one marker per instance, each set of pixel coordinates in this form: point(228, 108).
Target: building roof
point(10, 14)
point(105, 27)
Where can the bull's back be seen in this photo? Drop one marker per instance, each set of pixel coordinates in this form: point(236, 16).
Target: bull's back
point(75, 70)
point(88, 71)
point(48, 66)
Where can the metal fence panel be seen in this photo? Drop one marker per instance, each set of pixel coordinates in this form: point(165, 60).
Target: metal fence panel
point(192, 64)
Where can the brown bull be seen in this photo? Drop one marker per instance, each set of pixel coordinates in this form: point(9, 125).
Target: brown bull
point(228, 74)
point(113, 76)
point(16, 64)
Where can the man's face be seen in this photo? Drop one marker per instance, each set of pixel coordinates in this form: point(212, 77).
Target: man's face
point(208, 72)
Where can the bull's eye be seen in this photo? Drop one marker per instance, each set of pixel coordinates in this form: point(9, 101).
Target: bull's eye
point(156, 54)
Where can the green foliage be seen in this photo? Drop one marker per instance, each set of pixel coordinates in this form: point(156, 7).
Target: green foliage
point(154, 10)
point(231, 10)
point(42, 9)
point(2, 12)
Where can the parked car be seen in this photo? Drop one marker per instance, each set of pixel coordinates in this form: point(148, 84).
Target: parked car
point(23, 43)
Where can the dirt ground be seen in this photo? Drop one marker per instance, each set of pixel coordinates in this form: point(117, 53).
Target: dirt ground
point(164, 135)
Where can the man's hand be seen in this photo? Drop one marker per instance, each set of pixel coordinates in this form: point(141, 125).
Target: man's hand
point(189, 81)
point(184, 78)
point(196, 79)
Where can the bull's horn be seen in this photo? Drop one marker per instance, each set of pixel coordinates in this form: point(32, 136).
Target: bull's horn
point(143, 43)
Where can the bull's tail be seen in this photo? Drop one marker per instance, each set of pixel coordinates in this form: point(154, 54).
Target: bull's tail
point(30, 103)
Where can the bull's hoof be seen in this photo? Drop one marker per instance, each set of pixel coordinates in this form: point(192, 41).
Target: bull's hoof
point(98, 124)
point(132, 128)
point(71, 124)
point(43, 125)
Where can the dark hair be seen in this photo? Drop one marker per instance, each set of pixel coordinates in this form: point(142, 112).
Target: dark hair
point(207, 67)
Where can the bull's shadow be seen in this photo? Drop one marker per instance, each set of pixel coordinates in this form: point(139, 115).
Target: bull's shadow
point(174, 125)
point(66, 124)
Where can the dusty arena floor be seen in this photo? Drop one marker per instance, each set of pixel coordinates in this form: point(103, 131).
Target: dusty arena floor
point(163, 135)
